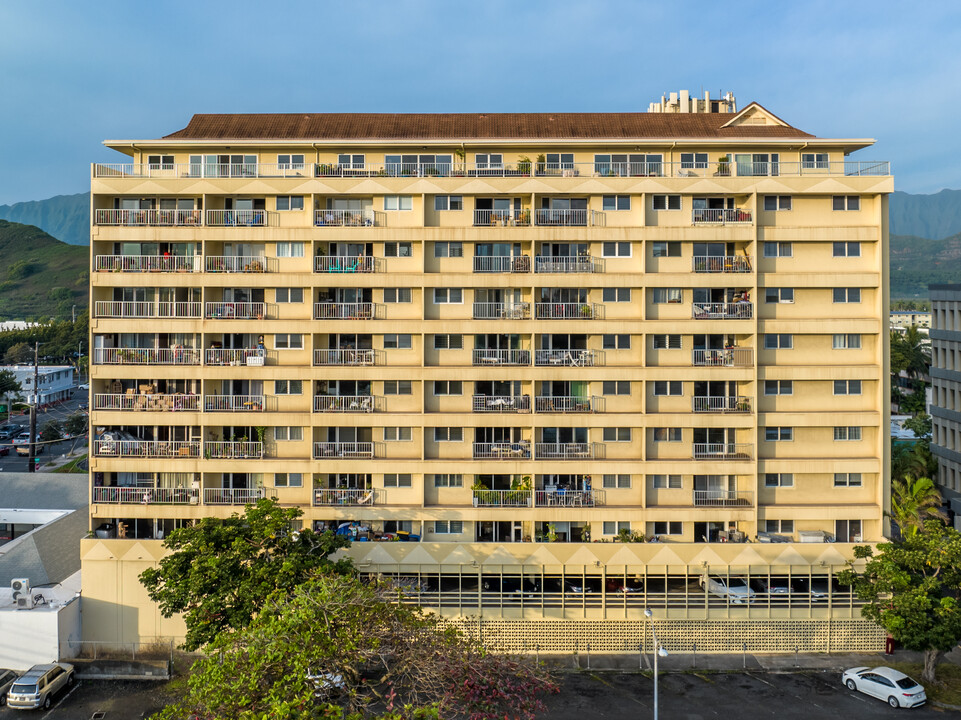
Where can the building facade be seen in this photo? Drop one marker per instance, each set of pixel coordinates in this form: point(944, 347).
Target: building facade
point(945, 374)
point(518, 342)
point(55, 382)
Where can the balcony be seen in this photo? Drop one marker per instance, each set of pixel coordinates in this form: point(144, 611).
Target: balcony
point(148, 218)
point(502, 451)
point(155, 402)
point(725, 357)
point(565, 404)
point(146, 356)
point(347, 403)
point(336, 264)
point(145, 496)
point(147, 448)
point(235, 310)
point(233, 403)
point(232, 496)
point(233, 450)
point(236, 218)
point(502, 218)
point(563, 497)
point(501, 311)
point(235, 356)
point(347, 496)
point(146, 263)
point(346, 218)
point(722, 451)
point(343, 311)
point(566, 264)
point(721, 404)
point(566, 358)
point(502, 264)
point(721, 264)
point(145, 309)
point(236, 264)
point(501, 403)
point(344, 357)
point(501, 357)
point(568, 218)
point(723, 498)
point(721, 216)
point(565, 451)
point(503, 498)
point(343, 450)
point(722, 311)
point(565, 311)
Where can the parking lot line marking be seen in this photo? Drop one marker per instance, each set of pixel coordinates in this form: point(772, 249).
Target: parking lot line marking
point(759, 679)
point(72, 691)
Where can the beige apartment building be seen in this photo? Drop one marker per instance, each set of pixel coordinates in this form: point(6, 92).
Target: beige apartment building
point(493, 348)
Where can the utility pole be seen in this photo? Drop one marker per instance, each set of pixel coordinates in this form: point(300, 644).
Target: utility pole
point(33, 409)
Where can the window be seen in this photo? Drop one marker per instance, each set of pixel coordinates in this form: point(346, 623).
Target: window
point(778, 387)
point(448, 342)
point(811, 161)
point(666, 249)
point(617, 387)
point(616, 295)
point(778, 341)
point(693, 160)
point(778, 434)
point(778, 480)
point(398, 434)
point(779, 526)
point(847, 387)
point(665, 527)
point(847, 479)
point(397, 295)
point(446, 296)
point(671, 296)
point(616, 434)
point(288, 434)
point(289, 341)
point(617, 249)
point(448, 527)
point(668, 387)
point(288, 387)
point(779, 295)
point(448, 202)
point(397, 387)
point(849, 432)
point(448, 249)
point(616, 202)
point(398, 249)
point(289, 295)
point(398, 202)
point(847, 530)
point(666, 482)
point(778, 249)
point(847, 202)
point(777, 202)
point(448, 387)
point(397, 480)
point(617, 481)
point(667, 202)
point(290, 202)
point(667, 434)
point(847, 249)
point(847, 295)
point(666, 342)
point(350, 162)
point(448, 434)
point(393, 341)
point(446, 480)
point(290, 162)
point(847, 341)
point(288, 480)
point(489, 161)
point(290, 249)
point(160, 162)
point(616, 342)
point(612, 527)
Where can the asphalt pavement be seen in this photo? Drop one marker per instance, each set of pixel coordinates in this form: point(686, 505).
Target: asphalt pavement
point(53, 452)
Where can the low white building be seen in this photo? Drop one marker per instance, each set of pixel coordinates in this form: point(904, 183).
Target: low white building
point(56, 382)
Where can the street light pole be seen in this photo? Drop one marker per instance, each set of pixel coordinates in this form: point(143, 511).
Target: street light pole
point(658, 652)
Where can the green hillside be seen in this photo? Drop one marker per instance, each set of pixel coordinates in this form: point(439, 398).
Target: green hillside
point(39, 275)
point(66, 217)
point(918, 262)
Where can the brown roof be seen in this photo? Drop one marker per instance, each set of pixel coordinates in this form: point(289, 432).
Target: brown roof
point(465, 126)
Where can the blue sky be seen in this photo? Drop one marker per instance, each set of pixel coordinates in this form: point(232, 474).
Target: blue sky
point(73, 74)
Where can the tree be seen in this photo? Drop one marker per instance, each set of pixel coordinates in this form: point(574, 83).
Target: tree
point(221, 571)
point(920, 425)
point(908, 353)
point(910, 589)
point(52, 430)
point(912, 459)
point(372, 654)
point(18, 354)
point(75, 424)
point(9, 385)
point(914, 501)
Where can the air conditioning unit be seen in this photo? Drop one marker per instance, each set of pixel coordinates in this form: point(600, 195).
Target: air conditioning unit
point(20, 586)
point(25, 602)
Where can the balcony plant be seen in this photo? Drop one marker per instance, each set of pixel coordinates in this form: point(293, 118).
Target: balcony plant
point(524, 165)
point(723, 166)
point(551, 533)
point(541, 161)
point(585, 310)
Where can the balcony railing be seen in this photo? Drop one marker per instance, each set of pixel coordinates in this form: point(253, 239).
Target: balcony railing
point(723, 498)
point(721, 404)
point(233, 403)
point(233, 449)
point(343, 311)
point(502, 451)
point(146, 309)
point(721, 216)
point(722, 311)
point(503, 498)
point(236, 263)
point(566, 264)
point(722, 451)
point(156, 402)
point(146, 356)
point(501, 311)
point(566, 218)
point(147, 218)
point(344, 264)
point(502, 264)
point(566, 358)
point(721, 264)
point(147, 448)
point(565, 311)
point(232, 496)
point(723, 357)
point(345, 357)
point(501, 357)
point(145, 496)
point(502, 218)
point(235, 356)
point(566, 404)
point(235, 310)
point(562, 497)
point(347, 496)
point(564, 451)
point(343, 450)
point(501, 403)
point(236, 218)
point(147, 263)
point(347, 403)
point(201, 170)
point(345, 218)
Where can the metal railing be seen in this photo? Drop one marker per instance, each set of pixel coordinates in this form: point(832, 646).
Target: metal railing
point(565, 311)
point(721, 264)
point(565, 404)
point(236, 263)
point(235, 449)
point(147, 263)
point(146, 356)
point(345, 357)
point(566, 264)
point(723, 498)
point(232, 496)
point(145, 496)
point(722, 311)
point(343, 450)
point(503, 498)
point(501, 403)
point(502, 264)
point(236, 218)
point(345, 218)
point(564, 217)
point(564, 451)
point(502, 218)
point(203, 169)
point(723, 357)
point(722, 451)
point(502, 451)
point(501, 357)
point(344, 264)
point(235, 310)
point(347, 496)
point(345, 403)
point(343, 311)
point(562, 497)
point(568, 358)
point(234, 356)
point(147, 448)
point(721, 404)
point(233, 403)
point(146, 309)
point(721, 216)
point(147, 217)
point(501, 311)
point(159, 402)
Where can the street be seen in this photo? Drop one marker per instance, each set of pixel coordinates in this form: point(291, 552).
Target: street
point(11, 462)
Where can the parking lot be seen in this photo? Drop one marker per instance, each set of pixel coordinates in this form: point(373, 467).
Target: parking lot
point(117, 700)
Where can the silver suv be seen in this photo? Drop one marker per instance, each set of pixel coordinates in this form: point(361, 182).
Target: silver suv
point(38, 685)
point(6, 680)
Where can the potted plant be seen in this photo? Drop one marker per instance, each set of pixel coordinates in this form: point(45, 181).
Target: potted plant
point(478, 489)
point(541, 161)
point(723, 166)
point(524, 165)
point(551, 534)
point(585, 310)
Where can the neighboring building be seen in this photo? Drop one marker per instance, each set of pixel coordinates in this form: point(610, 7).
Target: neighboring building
point(56, 382)
point(946, 390)
point(502, 335)
point(903, 319)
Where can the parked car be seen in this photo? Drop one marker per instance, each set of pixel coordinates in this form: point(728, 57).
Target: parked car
point(23, 438)
point(83, 386)
point(37, 687)
point(818, 588)
point(886, 684)
point(6, 680)
point(10, 431)
point(734, 589)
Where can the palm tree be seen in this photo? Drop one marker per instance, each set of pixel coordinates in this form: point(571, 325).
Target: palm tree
point(908, 353)
point(913, 501)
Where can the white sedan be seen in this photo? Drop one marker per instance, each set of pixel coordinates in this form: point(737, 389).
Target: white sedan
point(885, 684)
